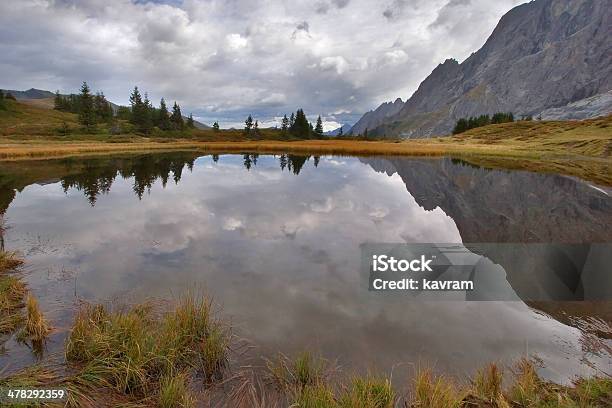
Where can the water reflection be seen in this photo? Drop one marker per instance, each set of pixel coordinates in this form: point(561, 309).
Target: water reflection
point(281, 253)
point(95, 176)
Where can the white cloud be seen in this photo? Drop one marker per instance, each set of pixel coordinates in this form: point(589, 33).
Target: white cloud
point(222, 60)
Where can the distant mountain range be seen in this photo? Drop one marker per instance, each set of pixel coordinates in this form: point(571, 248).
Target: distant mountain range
point(345, 129)
point(548, 57)
point(36, 95)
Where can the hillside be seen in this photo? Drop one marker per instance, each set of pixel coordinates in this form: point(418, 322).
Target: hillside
point(542, 55)
point(28, 119)
point(45, 99)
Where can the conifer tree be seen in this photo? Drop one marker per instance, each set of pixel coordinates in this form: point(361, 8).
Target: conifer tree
point(103, 109)
point(292, 120)
point(177, 117)
point(163, 117)
point(248, 125)
point(285, 125)
point(147, 115)
point(87, 116)
point(301, 127)
point(340, 132)
point(256, 128)
point(137, 107)
point(190, 121)
point(215, 126)
point(319, 127)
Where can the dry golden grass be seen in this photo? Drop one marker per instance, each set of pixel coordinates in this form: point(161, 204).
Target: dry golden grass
point(36, 327)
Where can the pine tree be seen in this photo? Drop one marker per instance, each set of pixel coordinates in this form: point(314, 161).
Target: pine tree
point(137, 107)
point(177, 117)
point(365, 133)
point(340, 132)
point(248, 125)
point(319, 127)
point(87, 116)
point(285, 125)
point(147, 115)
point(301, 127)
point(103, 109)
point(163, 117)
point(2, 103)
point(190, 122)
point(216, 126)
point(256, 128)
point(291, 120)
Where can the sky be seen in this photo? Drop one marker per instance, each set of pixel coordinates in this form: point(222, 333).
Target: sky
point(225, 59)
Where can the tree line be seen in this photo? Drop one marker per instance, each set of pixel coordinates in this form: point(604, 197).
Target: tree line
point(296, 125)
point(472, 122)
point(93, 109)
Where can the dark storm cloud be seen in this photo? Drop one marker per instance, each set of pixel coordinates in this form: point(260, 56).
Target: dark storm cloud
point(222, 59)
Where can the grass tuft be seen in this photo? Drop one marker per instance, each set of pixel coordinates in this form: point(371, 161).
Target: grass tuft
point(12, 291)
point(488, 385)
point(305, 370)
point(9, 261)
point(36, 327)
point(368, 392)
point(432, 391)
point(136, 353)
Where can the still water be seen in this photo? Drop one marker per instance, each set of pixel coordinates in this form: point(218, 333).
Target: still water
point(276, 241)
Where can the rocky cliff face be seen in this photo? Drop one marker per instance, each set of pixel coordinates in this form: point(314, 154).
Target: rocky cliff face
point(542, 55)
point(377, 117)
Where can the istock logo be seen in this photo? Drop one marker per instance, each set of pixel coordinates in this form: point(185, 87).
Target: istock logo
point(383, 263)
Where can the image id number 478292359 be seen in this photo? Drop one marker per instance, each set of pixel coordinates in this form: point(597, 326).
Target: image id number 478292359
point(15, 395)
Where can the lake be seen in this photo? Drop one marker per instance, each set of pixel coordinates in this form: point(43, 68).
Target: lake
point(276, 241)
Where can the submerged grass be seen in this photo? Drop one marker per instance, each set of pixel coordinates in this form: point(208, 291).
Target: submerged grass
point(147, 357)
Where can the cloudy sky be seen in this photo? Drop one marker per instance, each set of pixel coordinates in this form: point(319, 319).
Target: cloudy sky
point(224, 59)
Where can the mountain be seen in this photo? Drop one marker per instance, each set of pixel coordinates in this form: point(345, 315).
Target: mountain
point(377, 117)
point(345, 129)
point(598, 105)
point(31, 93)
point(546, 54)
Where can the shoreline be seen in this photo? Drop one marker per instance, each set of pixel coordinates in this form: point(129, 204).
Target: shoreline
point(591, 168)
